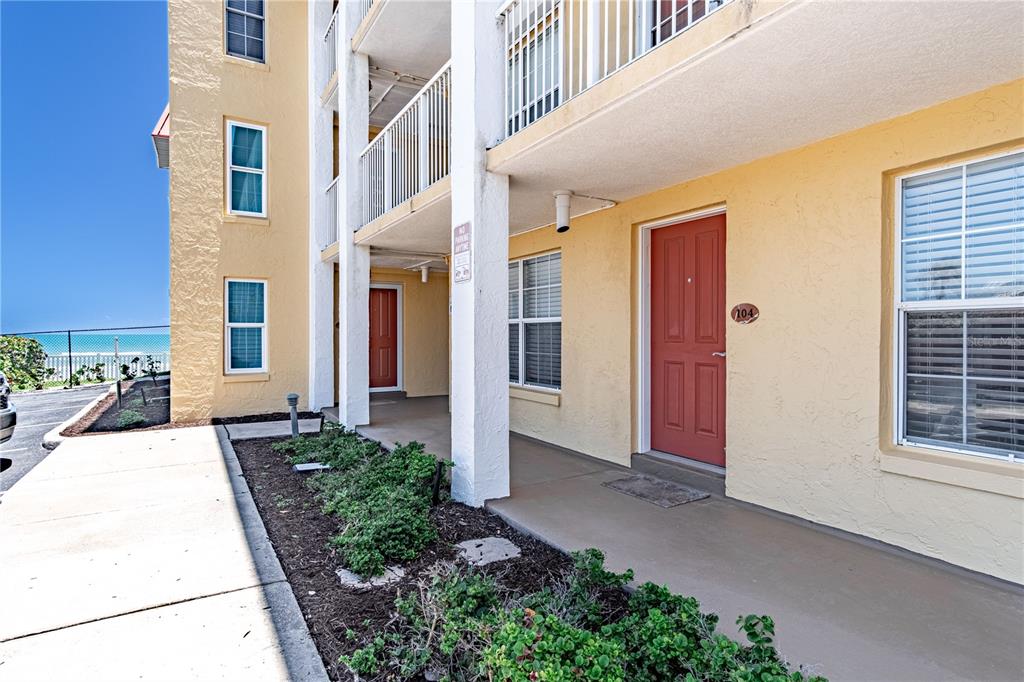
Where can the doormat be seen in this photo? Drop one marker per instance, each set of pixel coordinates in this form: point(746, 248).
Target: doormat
point(662, 493)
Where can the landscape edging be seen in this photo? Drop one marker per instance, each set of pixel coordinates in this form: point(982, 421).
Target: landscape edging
point(53, 438)
point(296, 644)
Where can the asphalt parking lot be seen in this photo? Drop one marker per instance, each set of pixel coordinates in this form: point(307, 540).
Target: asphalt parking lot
point(38, 412)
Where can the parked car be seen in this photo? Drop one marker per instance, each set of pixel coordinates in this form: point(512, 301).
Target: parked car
point(8, 414)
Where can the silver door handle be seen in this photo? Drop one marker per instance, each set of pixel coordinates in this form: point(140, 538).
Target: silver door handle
point(718, 355)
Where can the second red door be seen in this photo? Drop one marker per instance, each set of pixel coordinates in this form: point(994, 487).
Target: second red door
point(383, 338)
point(688, 339)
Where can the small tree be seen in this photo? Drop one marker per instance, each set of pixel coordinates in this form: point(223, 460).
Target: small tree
point(92, 373)
point(152, 367)
point(130, 371)
point(23, 361)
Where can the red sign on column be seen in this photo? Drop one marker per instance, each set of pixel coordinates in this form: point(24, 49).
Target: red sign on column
point(462, 247)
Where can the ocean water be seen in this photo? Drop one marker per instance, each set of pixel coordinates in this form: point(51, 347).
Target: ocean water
point(129, 342)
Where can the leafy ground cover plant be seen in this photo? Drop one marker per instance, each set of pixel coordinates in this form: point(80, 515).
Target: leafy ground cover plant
point(129, 418)
point(460, 624)
point(383, 497)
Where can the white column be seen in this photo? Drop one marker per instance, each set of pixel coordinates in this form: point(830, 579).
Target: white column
point(353, 261)
point(321, 275)
point(479, 346)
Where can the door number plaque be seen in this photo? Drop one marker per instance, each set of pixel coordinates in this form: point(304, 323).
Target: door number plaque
point(745, 313)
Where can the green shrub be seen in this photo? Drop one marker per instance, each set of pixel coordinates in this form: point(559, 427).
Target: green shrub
point(130, 371)
point(129, 418)
point(384, 498)
point(536, 647)
point(462, 625)
point(442, 626)
point(392, 525)
point(336, 446)
point(23, 361)
point(578, 597)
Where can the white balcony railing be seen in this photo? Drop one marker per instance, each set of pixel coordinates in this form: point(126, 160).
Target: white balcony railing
point(364, 8)
point(330, 48)
point(411, 153)
point(331, 214)
point(556, 49)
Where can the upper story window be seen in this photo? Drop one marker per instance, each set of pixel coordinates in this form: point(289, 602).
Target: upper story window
point(960, 308)
point(246, 181)
point(535, 321)
point(245, 326)
point(244, 25)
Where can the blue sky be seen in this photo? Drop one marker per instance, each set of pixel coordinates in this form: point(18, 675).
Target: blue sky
point(83, 207)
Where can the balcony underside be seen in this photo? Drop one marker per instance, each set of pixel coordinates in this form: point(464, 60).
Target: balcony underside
point(407, 36)
point(420, 224)
point(423, 223)
point(753, 80)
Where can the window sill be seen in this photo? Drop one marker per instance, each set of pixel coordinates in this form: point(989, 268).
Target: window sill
point(535, 395)
point(231, 218)
point(965, 471)
point(246, 63)
point(242, 378)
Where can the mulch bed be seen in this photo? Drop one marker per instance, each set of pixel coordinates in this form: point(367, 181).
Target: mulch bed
point(150, 400)
point(102, 418)
point(300, 532)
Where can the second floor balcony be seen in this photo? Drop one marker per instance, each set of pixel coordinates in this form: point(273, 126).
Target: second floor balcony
point(556, 49)
point(411, 153)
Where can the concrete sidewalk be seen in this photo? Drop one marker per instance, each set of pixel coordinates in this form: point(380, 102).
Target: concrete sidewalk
point(142, 556)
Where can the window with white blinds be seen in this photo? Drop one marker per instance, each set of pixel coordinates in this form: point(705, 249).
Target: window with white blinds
point(960, 308)
point(535, 321)
point(244, 29)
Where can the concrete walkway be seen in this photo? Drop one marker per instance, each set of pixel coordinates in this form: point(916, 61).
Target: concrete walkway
point(141, 556)
point(851, 609)
point(270, 429)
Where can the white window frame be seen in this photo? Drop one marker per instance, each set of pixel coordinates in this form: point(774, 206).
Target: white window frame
point(229, 124)
point(521, 322)
point(901, 308)
point(246, 14)
point(228, 326)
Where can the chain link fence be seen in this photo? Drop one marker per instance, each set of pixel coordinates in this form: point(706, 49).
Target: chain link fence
point(74, 357)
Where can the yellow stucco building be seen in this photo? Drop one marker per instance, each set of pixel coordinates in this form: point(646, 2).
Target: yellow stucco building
point(777, 242)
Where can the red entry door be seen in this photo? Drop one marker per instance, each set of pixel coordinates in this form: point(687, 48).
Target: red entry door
point(688, 339)
point(383, 338)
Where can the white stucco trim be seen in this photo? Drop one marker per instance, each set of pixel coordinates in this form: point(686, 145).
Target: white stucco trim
point(643, 304)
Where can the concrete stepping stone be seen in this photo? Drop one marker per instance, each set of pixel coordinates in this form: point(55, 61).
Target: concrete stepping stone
point(358, 582)
point(310, 466)
point(487, 550)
